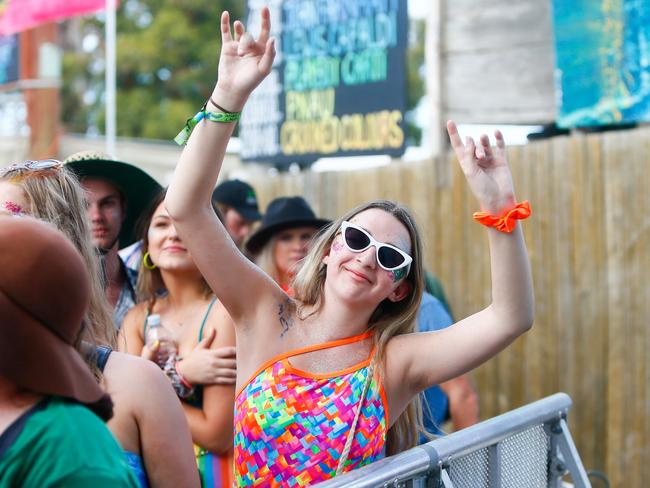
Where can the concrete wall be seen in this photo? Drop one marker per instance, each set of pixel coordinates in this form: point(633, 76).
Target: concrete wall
point(490, 62)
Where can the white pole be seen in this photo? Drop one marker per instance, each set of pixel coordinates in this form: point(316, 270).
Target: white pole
point(434, 80)
point(110, 77)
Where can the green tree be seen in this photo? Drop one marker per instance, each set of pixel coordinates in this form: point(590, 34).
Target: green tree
point(167, 55)
point(414, 78)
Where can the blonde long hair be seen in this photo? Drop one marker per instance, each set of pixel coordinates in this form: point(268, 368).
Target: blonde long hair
point(265, 259)
point(388, 320)
point(55, 196)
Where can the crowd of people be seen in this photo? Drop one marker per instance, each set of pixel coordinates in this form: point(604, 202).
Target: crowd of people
point(178, 337)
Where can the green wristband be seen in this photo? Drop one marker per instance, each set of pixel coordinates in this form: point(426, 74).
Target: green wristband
point(184, 134)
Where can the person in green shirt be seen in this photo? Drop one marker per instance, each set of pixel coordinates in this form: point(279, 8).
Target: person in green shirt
point(61, 443)
point(52, 410)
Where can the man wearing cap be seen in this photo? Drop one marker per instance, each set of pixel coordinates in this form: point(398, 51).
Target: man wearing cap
point(117, 193)
point(236, 201)
point(50, 403)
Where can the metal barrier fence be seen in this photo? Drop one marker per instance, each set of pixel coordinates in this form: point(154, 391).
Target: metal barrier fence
point(528, 447)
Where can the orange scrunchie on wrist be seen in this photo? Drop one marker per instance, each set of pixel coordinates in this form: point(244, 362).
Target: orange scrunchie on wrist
point(507, 222)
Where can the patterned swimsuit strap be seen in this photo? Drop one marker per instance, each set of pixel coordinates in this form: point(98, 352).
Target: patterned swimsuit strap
point(324, 345)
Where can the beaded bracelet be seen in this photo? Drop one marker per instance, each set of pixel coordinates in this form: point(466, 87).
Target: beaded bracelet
point(508, 220)
point(181, 386)
point(223, 117)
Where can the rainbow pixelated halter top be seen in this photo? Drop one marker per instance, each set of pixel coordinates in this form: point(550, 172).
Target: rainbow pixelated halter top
point(291, 425)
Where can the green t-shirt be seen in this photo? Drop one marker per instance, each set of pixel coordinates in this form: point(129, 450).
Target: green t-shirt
point(64, 445)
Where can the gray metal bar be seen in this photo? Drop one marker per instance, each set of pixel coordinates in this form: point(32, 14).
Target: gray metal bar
point(446, 480)
point(556, 468)
point(406, 465)
point(438, 453)
point(498, 428)
point(572, 457)
point(494, 465)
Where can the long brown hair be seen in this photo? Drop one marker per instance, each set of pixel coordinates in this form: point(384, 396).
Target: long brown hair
point(388, 320)
point(150, 281)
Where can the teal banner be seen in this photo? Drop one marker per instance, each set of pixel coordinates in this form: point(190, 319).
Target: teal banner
point(603, 61)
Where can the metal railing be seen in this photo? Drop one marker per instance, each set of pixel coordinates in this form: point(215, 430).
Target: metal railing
point(528, 447)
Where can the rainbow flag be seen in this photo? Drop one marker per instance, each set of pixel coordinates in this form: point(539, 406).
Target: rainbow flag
point(20, 15)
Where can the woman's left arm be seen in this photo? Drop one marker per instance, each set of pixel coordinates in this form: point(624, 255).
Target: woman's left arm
point(422, 360)
point(212, 425)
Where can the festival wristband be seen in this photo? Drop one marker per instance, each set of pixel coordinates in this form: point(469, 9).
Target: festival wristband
point(184, 381)
point(223, 117)
point(508, 220)
point(179, 383)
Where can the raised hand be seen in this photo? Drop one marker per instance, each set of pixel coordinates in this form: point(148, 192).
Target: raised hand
point(244, 62)
point(486, 170)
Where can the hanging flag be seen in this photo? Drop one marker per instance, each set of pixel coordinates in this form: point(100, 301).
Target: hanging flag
point(20, 15)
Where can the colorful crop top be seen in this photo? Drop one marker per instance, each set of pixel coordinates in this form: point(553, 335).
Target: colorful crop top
point(291, 426)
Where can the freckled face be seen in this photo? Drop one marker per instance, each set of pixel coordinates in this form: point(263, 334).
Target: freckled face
point(357, 274)
point(165, 246)
point(13, 200)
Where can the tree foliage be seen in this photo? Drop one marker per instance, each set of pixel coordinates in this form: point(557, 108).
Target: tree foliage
point(414, 78)
point(167, 55)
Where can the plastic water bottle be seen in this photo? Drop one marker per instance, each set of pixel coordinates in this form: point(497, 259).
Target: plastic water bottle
point(159, 339)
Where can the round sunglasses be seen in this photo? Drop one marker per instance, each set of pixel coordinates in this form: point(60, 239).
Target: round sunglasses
point(389, 257)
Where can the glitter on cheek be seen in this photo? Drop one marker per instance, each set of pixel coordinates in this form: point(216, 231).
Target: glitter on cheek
point(397, 274)
point(337, 246)
point(14, 208)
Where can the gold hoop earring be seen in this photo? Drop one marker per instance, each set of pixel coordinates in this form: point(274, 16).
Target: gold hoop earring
point(150, 264)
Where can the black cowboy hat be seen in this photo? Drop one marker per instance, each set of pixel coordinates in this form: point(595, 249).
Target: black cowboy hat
point(138, 187)
point(283, 213)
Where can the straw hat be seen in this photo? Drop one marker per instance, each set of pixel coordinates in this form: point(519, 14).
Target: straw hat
point(137, 186)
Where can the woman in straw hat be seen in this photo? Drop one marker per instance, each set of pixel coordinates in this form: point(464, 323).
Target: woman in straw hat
point(147, 413)
point(48, 435)
point(328, 380)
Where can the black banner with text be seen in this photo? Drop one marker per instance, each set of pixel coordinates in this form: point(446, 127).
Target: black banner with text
point(338, 85)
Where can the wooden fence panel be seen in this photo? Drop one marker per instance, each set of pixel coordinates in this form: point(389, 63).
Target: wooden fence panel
point(589, 245)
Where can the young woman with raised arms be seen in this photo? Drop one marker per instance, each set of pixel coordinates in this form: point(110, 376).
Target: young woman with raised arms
point(328, 378)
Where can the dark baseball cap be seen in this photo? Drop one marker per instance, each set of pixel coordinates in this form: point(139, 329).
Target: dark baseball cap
point(240, 196)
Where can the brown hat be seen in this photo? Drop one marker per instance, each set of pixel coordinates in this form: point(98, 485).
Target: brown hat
point(44, 296)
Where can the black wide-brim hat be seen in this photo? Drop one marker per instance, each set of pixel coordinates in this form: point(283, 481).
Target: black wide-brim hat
point(283, 213)
point(138, 187)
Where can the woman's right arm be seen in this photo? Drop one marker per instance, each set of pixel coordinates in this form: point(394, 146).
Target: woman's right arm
point(243, 64)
